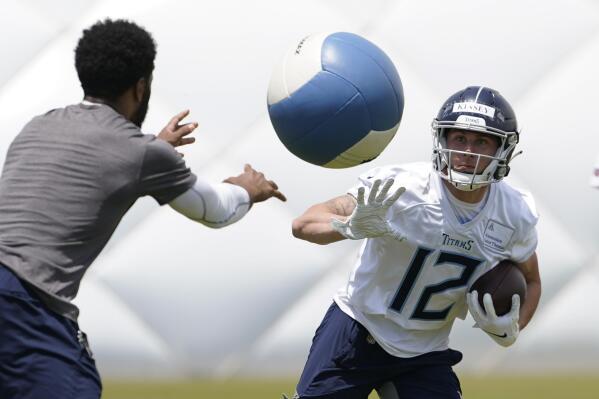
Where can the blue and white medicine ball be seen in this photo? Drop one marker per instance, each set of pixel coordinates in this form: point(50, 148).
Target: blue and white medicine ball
point(335, 100)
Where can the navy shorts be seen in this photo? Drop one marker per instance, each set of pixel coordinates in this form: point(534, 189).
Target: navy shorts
point(345, 362)
point(42, 354)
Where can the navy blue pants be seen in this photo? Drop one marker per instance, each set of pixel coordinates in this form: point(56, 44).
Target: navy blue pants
point(345, 362)
point(42, 354)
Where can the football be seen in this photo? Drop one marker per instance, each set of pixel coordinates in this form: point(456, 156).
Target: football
point(502, 282)
point(335, 100)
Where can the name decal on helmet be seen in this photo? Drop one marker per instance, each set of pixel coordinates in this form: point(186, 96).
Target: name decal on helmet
point(474, 108)
point(470, 120)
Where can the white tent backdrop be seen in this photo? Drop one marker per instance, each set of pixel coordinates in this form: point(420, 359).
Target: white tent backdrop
point(169, 297)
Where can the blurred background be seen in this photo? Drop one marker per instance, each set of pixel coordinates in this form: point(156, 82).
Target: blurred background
point(171, 299)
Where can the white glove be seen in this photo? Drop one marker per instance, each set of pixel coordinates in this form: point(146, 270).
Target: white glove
point(503, 329)
point(370, 219)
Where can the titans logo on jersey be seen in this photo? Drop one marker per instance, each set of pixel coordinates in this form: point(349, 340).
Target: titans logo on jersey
point(408, 293)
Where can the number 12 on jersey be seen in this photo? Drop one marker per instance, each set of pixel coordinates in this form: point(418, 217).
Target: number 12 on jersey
point(468, 265)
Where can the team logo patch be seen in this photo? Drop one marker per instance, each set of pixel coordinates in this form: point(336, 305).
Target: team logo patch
point(497, 235)
point(475, 108)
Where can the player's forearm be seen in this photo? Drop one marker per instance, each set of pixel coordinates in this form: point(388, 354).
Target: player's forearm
point(316, 228)
point(528, 308)
point(530, 269)
point(213, 205)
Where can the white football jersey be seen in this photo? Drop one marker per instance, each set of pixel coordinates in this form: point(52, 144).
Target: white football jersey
point(407, 294)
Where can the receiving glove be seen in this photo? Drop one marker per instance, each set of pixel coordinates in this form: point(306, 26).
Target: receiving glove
point(370, 219)
point(503, 329)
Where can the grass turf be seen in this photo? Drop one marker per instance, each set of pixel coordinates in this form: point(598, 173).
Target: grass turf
point(508, 387)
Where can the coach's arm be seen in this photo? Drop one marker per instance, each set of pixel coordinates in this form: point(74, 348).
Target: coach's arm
point(219, 205)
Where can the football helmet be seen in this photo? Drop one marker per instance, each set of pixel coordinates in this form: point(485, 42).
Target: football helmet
point(478, 109)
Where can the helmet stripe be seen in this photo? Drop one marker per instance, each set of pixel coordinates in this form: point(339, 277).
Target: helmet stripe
point(478, 93)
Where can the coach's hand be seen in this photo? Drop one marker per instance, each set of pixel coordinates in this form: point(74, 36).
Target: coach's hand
point(174, 133)
point(370, 219)
point(503, 329)
point(258, 187)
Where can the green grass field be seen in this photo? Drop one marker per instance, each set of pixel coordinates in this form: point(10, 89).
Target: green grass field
point(545, 387)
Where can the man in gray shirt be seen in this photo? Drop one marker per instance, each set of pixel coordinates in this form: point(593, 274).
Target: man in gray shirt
point(69, 177)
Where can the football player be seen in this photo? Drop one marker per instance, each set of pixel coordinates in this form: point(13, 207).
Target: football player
point(428, 230)
point(70, 176)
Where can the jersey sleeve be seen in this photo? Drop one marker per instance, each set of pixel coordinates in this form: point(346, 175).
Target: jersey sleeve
point(527, 239)
point(525, 246)
point(164, 174)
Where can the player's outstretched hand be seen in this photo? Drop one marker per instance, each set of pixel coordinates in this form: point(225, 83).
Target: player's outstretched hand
point(503, 329)
point(258, 187)
point(369, 219)
point(174, 133)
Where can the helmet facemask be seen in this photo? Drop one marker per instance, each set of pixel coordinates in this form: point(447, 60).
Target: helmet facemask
point(498, 166)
